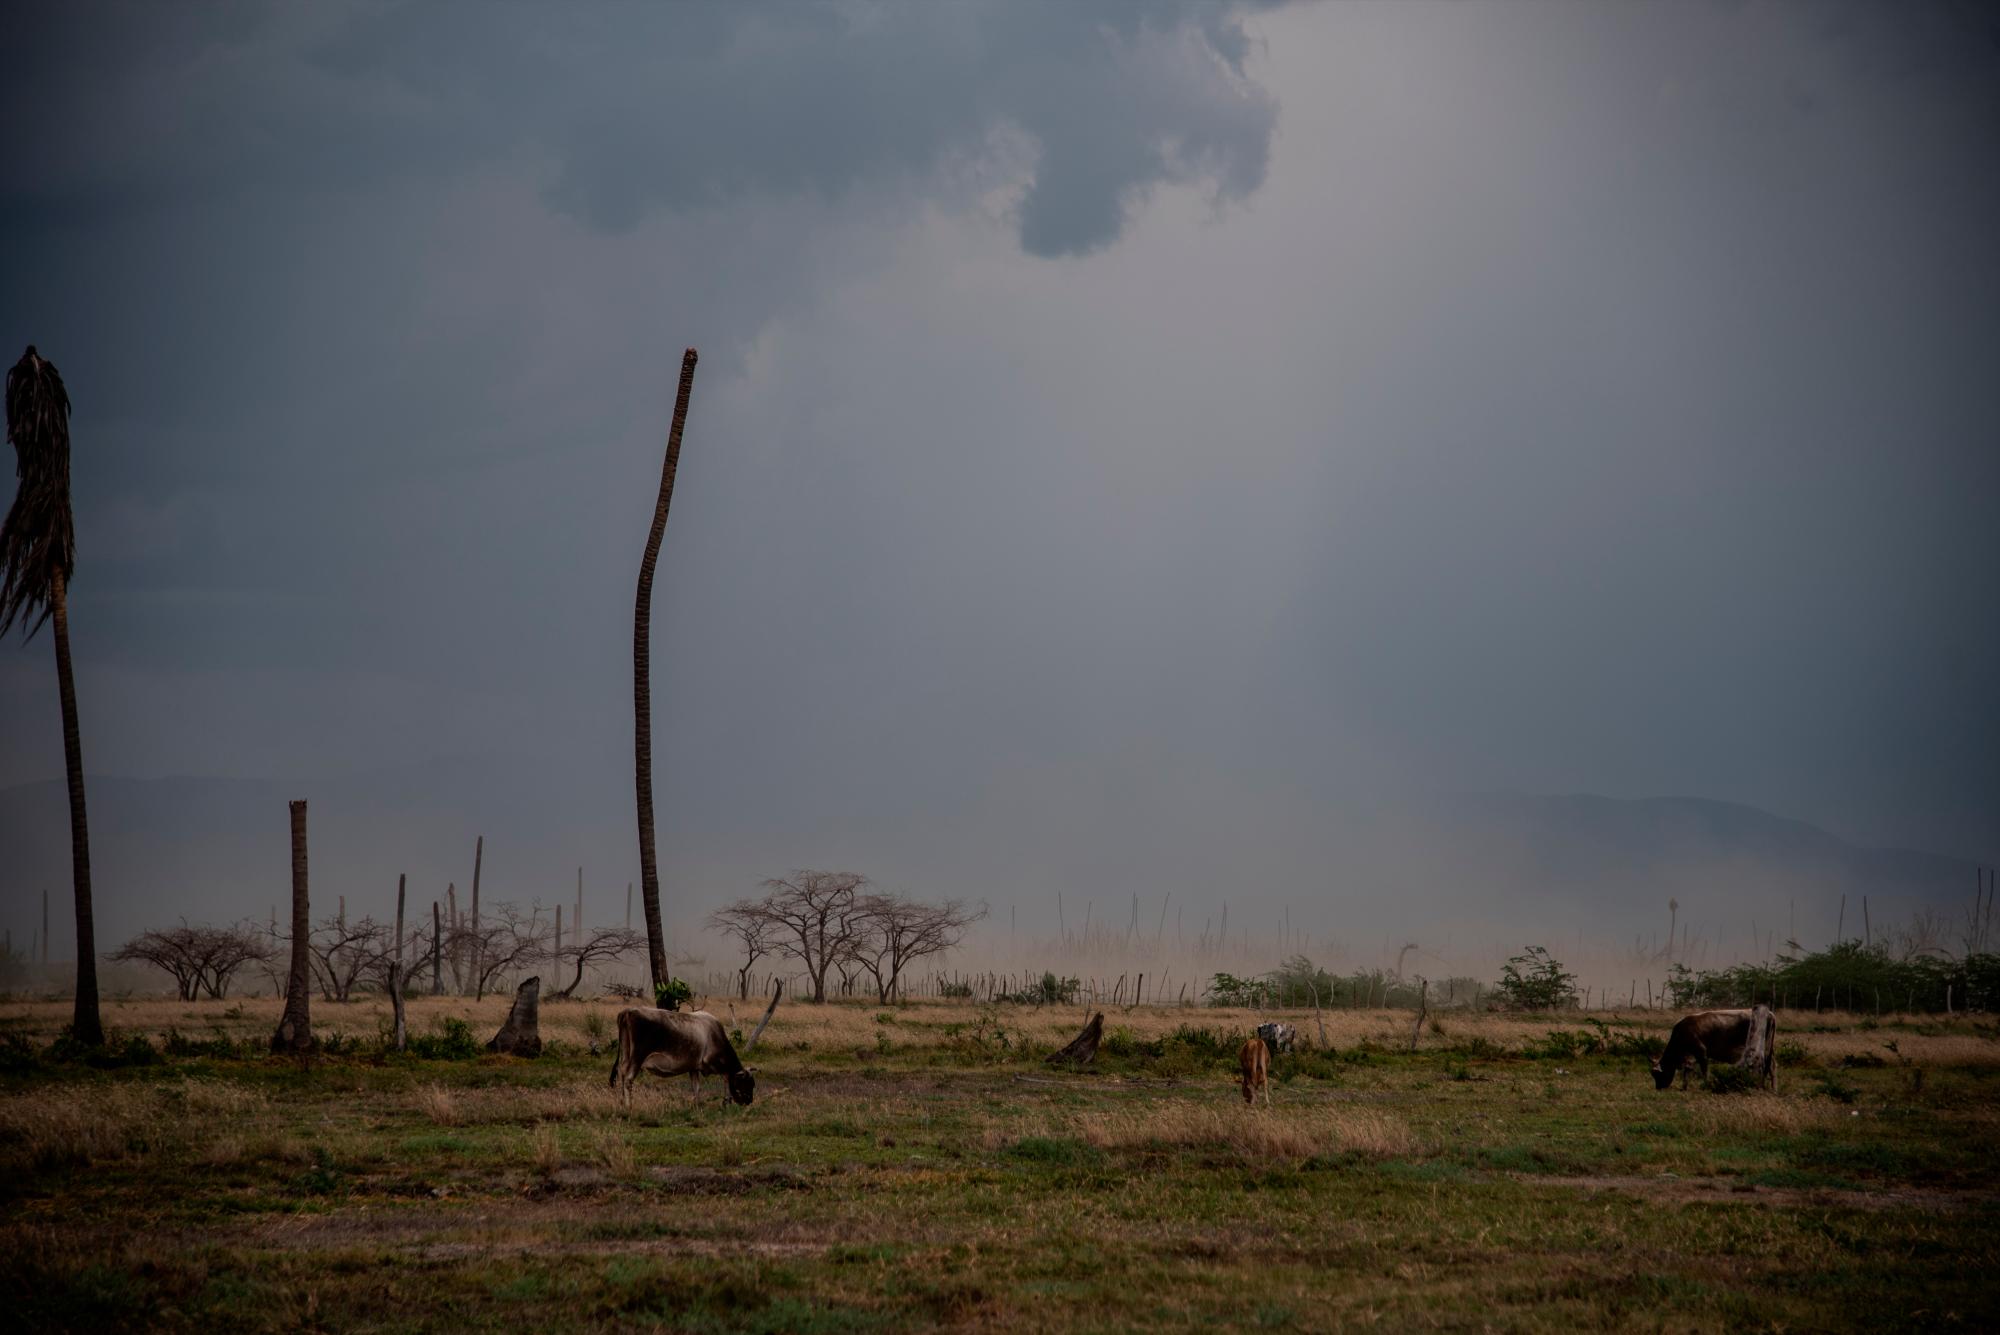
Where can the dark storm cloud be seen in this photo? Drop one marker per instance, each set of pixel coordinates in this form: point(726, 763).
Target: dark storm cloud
point(638, 109)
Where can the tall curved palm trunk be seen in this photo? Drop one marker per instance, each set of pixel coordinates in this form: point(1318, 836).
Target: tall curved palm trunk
point(642, 690)
point(37, 557)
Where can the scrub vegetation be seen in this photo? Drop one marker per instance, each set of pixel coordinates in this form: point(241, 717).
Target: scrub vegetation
point(920, 1165)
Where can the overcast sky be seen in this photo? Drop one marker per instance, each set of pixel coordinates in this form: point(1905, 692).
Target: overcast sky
point(1113, 421)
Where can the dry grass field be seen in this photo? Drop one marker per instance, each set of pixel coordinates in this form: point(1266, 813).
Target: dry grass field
point(919, 1166)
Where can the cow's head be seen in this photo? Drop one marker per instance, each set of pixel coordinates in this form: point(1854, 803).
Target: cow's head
point(743, 1086)
point(1662, 1077)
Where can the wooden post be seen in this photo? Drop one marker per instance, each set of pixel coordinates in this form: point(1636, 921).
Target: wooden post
point(1423, 1005)
point(558, 929)
point(437, 946)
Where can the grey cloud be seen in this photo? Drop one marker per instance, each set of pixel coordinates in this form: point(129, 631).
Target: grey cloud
point(674, 107)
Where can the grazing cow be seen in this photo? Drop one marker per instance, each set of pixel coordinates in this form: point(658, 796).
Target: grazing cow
point(1255, 1059)
point(1722, 1036)
point(678, 1043)
point(1277, 1037)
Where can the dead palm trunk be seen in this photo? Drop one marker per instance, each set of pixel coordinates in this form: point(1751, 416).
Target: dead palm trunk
point(642, 691)
point(295, 1030)
point(85, 1023)
point(37, 557)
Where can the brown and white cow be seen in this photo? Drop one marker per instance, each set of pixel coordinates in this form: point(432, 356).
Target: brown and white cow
point(1255, 1061)
point(1722, 1036)
point(690, 1043)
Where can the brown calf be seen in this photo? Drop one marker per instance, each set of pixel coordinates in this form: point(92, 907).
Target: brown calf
point(1255, 1059)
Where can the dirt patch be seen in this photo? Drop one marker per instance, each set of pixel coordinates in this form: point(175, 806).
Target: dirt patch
point(1725, 1190)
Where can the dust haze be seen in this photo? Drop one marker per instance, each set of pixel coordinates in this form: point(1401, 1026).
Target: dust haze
point(1449, 475)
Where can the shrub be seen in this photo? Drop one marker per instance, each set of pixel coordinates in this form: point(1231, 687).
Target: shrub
point(1226, 989)
point(1733, 1080)
point(1049, 991)
point(17, 1054)
point(951, 989)
point(180, 1045)
point(669, 995)
point(452, 1041)
point(438, 1104)
point(1536, 981)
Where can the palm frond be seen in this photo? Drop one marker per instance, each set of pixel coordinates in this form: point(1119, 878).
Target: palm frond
point(38, 538)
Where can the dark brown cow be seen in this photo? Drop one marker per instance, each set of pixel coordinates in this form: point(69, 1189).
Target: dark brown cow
point(1255, 1059)
point(1718, 1036)
point(690, 1043)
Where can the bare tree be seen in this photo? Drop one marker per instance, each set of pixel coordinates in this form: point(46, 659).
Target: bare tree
point(343, 953)
point(503, 942)
point(752, 927)
point(171, 949)
point(222, 951)
point(814, 916)
point(894, 932)
point(598, 947)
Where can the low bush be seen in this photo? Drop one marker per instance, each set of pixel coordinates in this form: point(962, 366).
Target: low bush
point(1050, 990)
point(451, 1040)
point(1733, 1080)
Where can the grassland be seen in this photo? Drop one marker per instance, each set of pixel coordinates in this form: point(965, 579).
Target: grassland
point(919, 1166)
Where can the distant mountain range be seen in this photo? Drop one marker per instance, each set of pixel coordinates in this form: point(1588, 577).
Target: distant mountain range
point(1490, 866)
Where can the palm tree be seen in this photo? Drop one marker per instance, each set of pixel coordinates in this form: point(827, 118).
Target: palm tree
point(642, 690)
point(37, 556)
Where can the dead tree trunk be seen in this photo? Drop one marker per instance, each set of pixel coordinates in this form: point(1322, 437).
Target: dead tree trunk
point(777, 991)
point(295, 1029)
point(396, 969)
point(1759, 1054)
point(1083, 1047)
point(477, 963)
point(521, 1036)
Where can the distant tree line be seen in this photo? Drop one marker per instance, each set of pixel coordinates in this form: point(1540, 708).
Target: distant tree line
point(1849, 975)
point(351, 956)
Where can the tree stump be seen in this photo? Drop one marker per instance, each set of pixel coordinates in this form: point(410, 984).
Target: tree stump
point(1760, 1048)
point(521, 1036)
point(1083, 1047)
